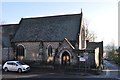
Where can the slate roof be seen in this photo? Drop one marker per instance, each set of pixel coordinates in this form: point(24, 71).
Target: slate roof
point(93, 45)
point(51, 28)
point(8, 32)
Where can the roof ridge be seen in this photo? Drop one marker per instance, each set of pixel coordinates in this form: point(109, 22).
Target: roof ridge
point(52, 16)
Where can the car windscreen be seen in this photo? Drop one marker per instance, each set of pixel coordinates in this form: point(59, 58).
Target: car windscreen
point(20, 63)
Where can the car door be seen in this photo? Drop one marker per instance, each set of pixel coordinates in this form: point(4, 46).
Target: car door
point(9, 66)
point(14, 67)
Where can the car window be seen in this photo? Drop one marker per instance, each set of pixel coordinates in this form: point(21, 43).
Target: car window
point(20, 63)
point(14, 64)
point(9, 63)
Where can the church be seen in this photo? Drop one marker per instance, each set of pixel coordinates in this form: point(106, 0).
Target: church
point(56, 39)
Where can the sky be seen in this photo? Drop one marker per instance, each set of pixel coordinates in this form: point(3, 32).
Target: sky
point(101, 17)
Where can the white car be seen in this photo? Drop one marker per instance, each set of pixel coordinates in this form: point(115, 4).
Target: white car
point(15, 66)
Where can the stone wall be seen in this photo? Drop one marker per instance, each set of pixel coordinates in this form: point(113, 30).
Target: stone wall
point(91, 60)
point(7, 54)
point(66, 47)
point(93, 46)
point(0, 55)
point(32, 51)
point(54, 47)
point(0, 44)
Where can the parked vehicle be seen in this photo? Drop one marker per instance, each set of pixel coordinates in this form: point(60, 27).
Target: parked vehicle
point(15, 66)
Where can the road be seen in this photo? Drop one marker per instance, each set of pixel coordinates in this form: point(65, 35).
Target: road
point(110, 71)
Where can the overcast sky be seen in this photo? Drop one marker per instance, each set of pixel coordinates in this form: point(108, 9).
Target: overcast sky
point(101, 17)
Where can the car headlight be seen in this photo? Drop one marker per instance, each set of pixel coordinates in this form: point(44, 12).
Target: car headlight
point(23, 68)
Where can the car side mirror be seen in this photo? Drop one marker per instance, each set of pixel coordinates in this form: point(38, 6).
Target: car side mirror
point(16, 65)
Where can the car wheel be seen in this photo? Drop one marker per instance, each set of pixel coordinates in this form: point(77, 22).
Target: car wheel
point(5, 69)
point(19, 70)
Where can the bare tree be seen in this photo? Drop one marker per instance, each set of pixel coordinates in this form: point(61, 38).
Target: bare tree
point(112, 52)
point(110, 48)
point(89, 35)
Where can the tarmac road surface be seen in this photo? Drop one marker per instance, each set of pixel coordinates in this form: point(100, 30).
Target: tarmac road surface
point(111, 72)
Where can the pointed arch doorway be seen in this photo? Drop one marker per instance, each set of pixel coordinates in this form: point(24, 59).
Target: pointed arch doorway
point(65, 58)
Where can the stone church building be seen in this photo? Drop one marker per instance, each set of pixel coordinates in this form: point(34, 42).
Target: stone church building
point(45, 39)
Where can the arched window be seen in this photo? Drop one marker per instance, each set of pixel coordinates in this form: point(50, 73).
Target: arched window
point(20, 52)
point(50, 50)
